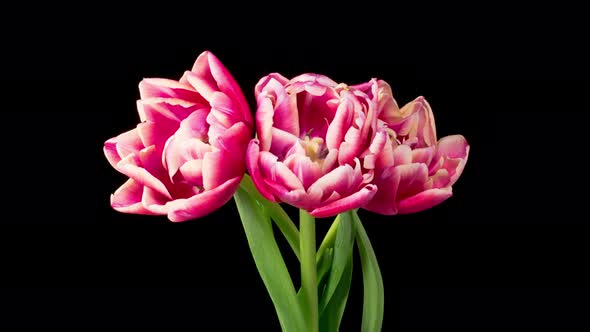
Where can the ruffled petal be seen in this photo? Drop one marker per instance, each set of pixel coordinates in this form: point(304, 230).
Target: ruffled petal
point(203, 203)
point(354, 201)
point(128, 198)
point(424, 200)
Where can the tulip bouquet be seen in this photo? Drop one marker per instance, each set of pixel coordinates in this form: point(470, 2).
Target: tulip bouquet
point(324, 147)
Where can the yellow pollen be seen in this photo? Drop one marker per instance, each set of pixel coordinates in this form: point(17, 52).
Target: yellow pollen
point(313, 147)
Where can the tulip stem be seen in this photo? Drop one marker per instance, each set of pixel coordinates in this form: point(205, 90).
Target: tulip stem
point(276, 212)
point(309, 284)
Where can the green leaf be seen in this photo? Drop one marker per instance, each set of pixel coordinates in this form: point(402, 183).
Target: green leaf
point(276, 212)
point(323, 268)
point(373, 296)
point(343, 245)
point(269, 262)
point(331, 317)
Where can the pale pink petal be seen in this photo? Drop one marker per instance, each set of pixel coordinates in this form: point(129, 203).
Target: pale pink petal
point(423, 155)
point(127, 198)
point(354, 201)
point(440, 179)
point(218, 168)
point(203, 203)
point(402, 154)
point(453, 147)
point(424, 200)
point(192, 172)
point(412, 179)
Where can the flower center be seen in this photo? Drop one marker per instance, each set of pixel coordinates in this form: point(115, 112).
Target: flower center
point(314, 148)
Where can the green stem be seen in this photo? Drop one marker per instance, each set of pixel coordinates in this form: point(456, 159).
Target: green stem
point(276, 212)
point(329, 238)
point(308, 270)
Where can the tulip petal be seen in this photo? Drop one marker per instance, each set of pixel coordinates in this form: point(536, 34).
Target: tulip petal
point(453, 147)
point(340, 124)
point(263, 82)
point(121, 146)
point(133, 167)
point(153, 201)
point(264, 122)
point(128, 197)
point(342, 180)
point(402, 155)
point(252, 164)
point(354, 201)
point(412, 180)
point(424, 200)
point(204, 203)
point(225, 82)
point(278, 172)
point(165, 88)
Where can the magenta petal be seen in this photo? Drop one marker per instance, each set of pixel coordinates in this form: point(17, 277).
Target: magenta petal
point(159, 110)
point(234, 141)
point(278, 172)
point(342, 180)
point(340, 124)
point(263, 82)
point(227, 84)
point(283, 142)
point(127, 198)
point(131, 166)
point(424, 200)
point(225, 109)
point(121, 146)
point(192, 172)
point(165, 88)
point(353, 201)
point(218, 167)
point(203, 203)
point(252, 162)
point(264, 122)
point(153, 201)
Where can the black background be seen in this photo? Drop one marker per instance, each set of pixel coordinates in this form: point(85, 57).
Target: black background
point(509, 251)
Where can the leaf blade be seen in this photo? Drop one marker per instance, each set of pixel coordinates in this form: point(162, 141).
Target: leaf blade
point(373, 293)
point(269, 261)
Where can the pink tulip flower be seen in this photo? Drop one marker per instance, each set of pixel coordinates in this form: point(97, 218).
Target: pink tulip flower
point(187, 156)
point(414, 172)
point(314, 148)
